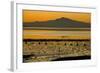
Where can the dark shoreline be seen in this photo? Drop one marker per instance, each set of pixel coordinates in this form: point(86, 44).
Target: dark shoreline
point(56, 39)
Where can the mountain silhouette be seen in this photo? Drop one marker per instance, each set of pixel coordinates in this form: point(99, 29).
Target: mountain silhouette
point(58, 23)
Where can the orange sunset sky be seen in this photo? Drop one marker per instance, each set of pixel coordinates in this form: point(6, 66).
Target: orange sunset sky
point(33, 15)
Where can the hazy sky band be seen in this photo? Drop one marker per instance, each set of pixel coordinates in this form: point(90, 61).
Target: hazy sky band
point(34, 15)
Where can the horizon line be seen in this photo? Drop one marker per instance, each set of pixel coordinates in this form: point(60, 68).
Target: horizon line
point(58, 18)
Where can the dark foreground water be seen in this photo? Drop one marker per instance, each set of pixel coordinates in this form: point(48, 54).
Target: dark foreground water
point(73, 58)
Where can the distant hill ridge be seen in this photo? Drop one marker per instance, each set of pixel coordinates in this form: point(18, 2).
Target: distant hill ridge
point(58, 23)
